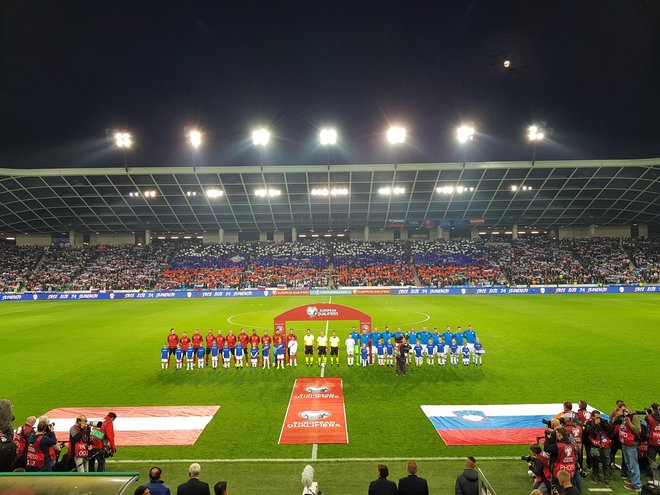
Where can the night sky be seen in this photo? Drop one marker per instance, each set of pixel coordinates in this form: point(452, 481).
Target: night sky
point(72, 69)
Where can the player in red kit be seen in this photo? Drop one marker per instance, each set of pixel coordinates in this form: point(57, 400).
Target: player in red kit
point(291, 336)
point(220, 339)
point(197, 340)
point(254, 340)
point(172, 342)
point(231, 342)
point(210, 340)
point(184, 341)
point(244, 339)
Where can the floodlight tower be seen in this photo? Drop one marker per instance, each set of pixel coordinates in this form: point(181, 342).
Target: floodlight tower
point(123, 140)
point(328, 138)
point(465, 134)
point(535, 134)
point(195, 140)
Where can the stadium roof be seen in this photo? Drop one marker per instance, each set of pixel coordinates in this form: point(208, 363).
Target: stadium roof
point(562, 193)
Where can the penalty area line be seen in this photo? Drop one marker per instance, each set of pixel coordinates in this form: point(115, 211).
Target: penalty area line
point(302, 459)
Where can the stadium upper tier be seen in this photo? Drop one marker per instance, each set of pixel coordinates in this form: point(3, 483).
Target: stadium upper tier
point(320, 263)
point(349, 196)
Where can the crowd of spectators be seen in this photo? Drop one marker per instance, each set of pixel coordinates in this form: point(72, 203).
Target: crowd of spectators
point(320, 263)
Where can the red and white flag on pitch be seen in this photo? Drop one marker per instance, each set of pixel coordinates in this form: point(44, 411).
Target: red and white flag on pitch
point(143, 426)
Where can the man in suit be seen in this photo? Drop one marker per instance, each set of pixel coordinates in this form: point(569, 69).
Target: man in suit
point(412, 484)
point(193, 486)
point(382, 486)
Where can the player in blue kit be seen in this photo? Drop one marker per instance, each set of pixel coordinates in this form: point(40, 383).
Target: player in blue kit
point(364, 355)
point(364, 340)
point(458, 335)
point(239, 352)
point(447, 335)
point(200, 357)
point(279, 355)
point(465, 350)
point(389, 347)
point(380, 351)
point(398, 333)
point(265, 355)
point(190, 358)
point(254, 356)
point(163, 357)
point(453, 353)
point(356, 338)
point(441, 351)
point(215, 351)
point(478, 352)
point(430, 352)
point(418, 350)
point(178, 355)
point(226, 356)
point(386, 334)
point(423, 336)
point(375, 337)
point(470, 337)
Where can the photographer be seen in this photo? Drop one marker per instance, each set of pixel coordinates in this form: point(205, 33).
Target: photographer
point(539, 465)
point(599, 435)
point(79, 443)
point(401, 352)
point(628, 428)
point(103, 442)
point(653, 420)
point(42, 447)
point(562, 453)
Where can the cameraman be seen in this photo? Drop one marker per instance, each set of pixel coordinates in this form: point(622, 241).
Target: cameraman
point(42, 447)
point(79, 443)
point(401, 353)
point(629, 428)
point(539, 465)
point(599, 435)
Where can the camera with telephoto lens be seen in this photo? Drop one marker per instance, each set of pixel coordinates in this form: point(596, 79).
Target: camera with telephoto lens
point(546, 422)
point(527, 458)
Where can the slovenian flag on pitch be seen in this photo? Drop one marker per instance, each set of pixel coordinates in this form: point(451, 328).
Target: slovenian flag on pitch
point(491, 424)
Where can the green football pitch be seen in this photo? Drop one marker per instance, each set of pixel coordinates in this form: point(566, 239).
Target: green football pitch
point(540, 349)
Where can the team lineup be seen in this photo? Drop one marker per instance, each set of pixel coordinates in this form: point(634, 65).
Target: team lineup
point(373, 348)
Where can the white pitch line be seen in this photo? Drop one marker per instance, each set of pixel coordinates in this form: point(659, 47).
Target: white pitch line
point(315, 446)
point(283, 460)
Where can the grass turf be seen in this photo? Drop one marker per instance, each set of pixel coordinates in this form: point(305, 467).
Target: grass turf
point(539, 349)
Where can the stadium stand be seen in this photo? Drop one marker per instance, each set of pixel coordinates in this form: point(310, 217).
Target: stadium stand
point(318, 263)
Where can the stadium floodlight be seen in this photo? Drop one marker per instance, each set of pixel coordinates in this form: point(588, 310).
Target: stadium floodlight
point(444, 189)
point(149, 193)
point(465, 133)
point(214, 193)
point(396, 190)
point(123, 139)
point(535, 133)
point(339, 191)
point(328, 137)
point(396, 135)
point(260, 137)
point(195, 138)
point(271, 193)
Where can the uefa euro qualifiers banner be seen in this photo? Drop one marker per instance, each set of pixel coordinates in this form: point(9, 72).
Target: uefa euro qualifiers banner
point(88, 296)
point(576, 289)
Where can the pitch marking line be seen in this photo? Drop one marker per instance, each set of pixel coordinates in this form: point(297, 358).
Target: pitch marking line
point(343, 459)
point(315, 446)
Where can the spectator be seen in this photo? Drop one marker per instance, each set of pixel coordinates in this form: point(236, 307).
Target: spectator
point(156, 485)
point(412, 484)
point(220, 488)
point(382, 486)
point(467, 482)
point(193, 486)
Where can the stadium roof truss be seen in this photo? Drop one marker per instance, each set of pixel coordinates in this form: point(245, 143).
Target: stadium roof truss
point(562, 193)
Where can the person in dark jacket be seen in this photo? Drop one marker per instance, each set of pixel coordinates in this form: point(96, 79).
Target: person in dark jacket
point(466, 483)
point(412, 484)
point(156, 485)
point(382, 486)
point(193, 486)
